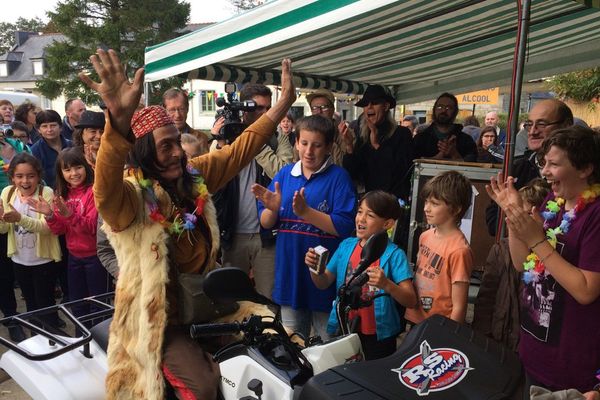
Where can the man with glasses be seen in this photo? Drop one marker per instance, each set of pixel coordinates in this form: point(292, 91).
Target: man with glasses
point(545, 117)
point(177, 105)
point(244, 243)
point(322, 102)
point(444, 139)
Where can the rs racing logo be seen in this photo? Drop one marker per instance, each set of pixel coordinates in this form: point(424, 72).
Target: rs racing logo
point(433, 370)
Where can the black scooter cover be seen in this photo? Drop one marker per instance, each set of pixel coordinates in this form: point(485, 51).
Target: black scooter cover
point(439, 359)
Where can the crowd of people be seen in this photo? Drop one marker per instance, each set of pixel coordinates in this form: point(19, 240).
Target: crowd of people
point(134, 195)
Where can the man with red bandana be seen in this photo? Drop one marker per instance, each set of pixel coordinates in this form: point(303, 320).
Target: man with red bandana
point(161, 222)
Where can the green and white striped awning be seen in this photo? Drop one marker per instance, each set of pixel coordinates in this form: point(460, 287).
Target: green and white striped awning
point(419, 48)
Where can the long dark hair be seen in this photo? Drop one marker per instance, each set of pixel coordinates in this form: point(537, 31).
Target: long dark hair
point(71, 157)
point(24, 158)
point(143, 156)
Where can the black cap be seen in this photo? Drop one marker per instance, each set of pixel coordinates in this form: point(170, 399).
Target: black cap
point(91, 119)
point(376, 94)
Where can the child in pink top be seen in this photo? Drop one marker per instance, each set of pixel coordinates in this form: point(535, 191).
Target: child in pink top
point(73, 213)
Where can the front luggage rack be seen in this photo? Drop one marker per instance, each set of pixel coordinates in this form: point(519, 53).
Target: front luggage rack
point(75, 332)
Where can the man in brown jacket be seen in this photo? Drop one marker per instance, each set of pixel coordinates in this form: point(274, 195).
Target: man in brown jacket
point(147, 340)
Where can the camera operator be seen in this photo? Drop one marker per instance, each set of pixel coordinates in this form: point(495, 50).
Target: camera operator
point(244, 243)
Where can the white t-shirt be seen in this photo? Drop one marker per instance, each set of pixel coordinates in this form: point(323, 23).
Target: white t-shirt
point(25, 241)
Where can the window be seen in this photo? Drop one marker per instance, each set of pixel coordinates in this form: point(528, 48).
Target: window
point(3, 69)
point(207, 100)
point(38, 67)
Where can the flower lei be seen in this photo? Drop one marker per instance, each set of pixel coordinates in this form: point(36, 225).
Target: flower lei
point(4, 165)
point(533, 266)
point(183, 221)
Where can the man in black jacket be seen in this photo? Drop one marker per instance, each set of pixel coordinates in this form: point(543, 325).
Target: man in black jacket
point(444, 139)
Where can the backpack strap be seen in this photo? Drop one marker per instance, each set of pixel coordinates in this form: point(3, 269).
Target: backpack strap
point(11, 192)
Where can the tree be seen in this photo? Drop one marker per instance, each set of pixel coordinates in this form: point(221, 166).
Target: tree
point(8, 29)
point(127, 26)
point(243, 5)
point(581, 86)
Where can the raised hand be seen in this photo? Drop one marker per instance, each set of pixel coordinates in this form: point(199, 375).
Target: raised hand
point(121, 96)
point(504, 192)
point(288, 93)
point(288, 90)
point(40, 205)
point(12, 215)
point(299, 205)
point(61, 206)
point(347, 135)
point(271, 200)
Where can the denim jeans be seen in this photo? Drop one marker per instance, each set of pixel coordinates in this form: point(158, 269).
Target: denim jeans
point(302, 321)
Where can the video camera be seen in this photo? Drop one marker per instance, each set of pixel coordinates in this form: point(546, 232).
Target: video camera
point(232, 111)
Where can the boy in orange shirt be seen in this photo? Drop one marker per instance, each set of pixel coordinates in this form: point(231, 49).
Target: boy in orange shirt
point(445, 261)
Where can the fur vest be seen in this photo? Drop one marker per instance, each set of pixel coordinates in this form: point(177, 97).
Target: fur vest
point(140, 317)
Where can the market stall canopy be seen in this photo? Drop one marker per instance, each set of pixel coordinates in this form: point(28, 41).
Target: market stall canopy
point(419, 48)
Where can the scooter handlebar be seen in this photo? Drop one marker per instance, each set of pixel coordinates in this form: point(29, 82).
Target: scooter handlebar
point(202, 330)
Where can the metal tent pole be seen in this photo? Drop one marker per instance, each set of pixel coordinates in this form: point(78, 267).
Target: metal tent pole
point(515, 95)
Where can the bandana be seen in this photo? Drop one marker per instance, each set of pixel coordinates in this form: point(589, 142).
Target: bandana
point(148, 119)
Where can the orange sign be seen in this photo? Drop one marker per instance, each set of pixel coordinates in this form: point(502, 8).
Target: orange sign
point(488, 96)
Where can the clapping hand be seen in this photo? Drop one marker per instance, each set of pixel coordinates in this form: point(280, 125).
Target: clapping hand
point(447, 147)
point(528, 227)
point(40, 205)
point(10, 216)
point(61, 206)
point(504, 192)
point(299, 205)
point(271, 200)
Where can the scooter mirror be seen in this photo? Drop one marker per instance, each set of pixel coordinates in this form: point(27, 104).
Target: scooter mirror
point(230, 284)
point(372, 251)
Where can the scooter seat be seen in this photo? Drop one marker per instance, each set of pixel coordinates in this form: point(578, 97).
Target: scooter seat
point(100, 333)
point(439, 358)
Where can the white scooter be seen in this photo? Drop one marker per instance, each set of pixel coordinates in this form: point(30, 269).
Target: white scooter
point(264, 364)
point(438, 359)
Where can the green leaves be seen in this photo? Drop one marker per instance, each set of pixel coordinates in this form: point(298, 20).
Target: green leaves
point(127, 26)
point(581, 85)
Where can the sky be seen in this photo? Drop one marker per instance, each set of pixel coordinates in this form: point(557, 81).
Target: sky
point(202, 10)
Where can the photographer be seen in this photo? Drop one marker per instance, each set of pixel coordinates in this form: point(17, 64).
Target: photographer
point(244, 244)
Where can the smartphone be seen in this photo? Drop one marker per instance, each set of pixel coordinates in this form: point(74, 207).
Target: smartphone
point(323, 257)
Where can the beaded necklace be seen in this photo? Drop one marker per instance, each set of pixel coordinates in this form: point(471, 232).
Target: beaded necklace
point(534, 267)
point(182, 221)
